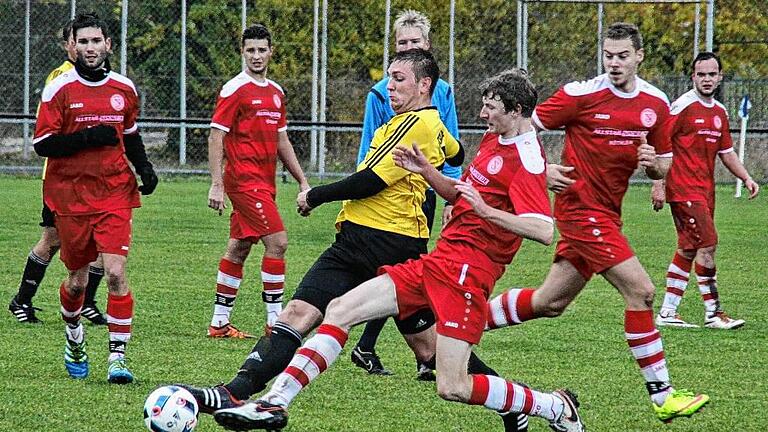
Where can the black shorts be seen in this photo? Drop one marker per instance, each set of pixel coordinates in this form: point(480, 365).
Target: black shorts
point(352, 259)
point(47, 216)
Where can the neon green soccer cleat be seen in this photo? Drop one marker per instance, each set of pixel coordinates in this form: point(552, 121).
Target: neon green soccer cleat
point(680, 403)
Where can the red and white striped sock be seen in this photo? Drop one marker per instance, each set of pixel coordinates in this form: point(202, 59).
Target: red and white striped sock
point(707, 280)
point(678, 272)
point(70, 313)
point(71, 306)
point(510, 308)
point(645, 343)
point(273, 278)
point(500, 395)
point(314, 357)
point(119, 321)
point(227, 283)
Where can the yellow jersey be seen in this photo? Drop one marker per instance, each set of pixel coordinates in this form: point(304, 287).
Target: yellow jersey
point(67, 65)
point(397, 208)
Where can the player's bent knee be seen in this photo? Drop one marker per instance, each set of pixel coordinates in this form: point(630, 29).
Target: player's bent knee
point(452, 390)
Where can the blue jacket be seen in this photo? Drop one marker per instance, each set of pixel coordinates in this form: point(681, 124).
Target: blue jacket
point(378, 111)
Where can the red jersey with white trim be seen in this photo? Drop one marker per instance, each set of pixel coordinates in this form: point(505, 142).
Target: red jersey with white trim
point(93, 180)
point(602, 132)
point(251, 113)
point(699, 133)
point(510, 175)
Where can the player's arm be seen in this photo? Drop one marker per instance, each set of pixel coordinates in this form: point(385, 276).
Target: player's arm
point(452, 167)
point(413, 160)
point(291, 163)
point(656, 167)
point(734, 165)
point(63, 145)
point(215, 163)
point(362, 184)
point(531, 227)
point(137, 155)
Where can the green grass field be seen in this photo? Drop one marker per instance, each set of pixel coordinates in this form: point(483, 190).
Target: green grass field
point(177, 243)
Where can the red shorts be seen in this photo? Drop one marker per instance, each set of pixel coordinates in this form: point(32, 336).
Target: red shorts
point(695, 224)
point(254, 215)
point(592, 245)
point(84, 237)
point(456, 292)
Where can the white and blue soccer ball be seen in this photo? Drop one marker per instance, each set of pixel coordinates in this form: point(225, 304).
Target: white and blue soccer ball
point(170, 409)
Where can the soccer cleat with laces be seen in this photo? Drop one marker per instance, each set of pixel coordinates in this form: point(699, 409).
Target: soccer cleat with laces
point(210, 399)
point(369, 361)
point(93, 314)
point(670, 318)
point(75, 359)
point(252, 415)
point(24, 313)
point(228, 331)
point(118, 372)
point(720, 320)
point(680, 403)
point(569, 420)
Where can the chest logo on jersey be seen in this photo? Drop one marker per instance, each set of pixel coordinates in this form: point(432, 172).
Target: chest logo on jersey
point(717, 121)
point(648, 117)
point(277, 101)
point(495, 164)
point(117, 102)
point(603, 116)
point(76, 105)
point(256, 102)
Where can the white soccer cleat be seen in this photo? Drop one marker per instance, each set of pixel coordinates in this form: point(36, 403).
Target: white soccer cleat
point(670, 318)
point(569, 420)
point(719, 320)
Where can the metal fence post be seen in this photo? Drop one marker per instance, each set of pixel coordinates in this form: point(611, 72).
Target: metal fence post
point(25, 150)
point(323, 89)
point(315, 41)
point(124, 38)
point(183, 86)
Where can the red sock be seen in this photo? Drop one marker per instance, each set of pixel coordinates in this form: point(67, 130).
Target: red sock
point(119, 321)
point(510, 308)
point(70, 305)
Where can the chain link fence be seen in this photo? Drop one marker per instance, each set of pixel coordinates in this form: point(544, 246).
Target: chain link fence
point(179, 53)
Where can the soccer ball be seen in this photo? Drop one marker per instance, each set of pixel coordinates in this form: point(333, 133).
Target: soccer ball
point(170, 409)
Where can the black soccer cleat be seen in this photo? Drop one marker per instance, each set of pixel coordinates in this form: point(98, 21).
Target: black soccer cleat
point(24, 313)
point(369, 361)
point(93, 314)
point(424, 372)
point(210, 399)
point(257, 414)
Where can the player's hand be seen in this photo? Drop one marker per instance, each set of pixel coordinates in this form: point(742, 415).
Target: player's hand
point(469, 193)
point(411, 159)
point(216, 198)
point(148, 180)
point(557, 180)
point(447, 213)
point(302, 207)
point(646, 154)
point(752, 187)
point(658, 195)
point(100, 135)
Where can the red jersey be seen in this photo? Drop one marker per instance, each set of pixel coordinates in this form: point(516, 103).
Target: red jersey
point(699, 133)
point(251, 113)
point(602, 132)
point(94, 180)
point(510, 175)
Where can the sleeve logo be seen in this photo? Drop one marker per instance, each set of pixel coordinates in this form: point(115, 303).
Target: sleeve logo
point(648, 117)
point(117, 102)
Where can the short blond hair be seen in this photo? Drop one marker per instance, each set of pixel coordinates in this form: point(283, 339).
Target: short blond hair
point(412, 18)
